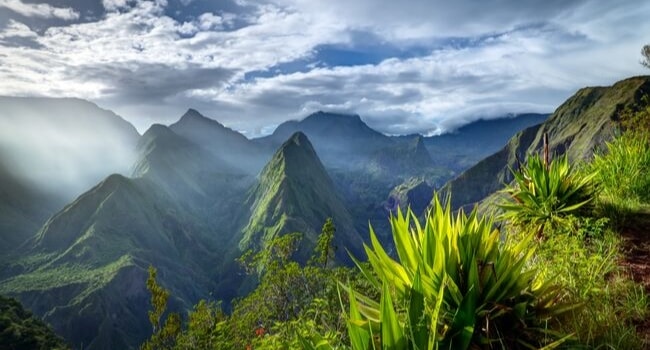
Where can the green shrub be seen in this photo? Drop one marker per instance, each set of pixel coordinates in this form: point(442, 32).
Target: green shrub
point(542, 196)
point(455, 285)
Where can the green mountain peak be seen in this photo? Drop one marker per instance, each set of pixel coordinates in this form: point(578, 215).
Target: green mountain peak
point(295, 194)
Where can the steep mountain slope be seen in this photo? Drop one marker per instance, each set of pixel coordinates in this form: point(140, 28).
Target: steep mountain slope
point(295, 194)
point(581, 124)
point(470, 143)
point(179, 165)
point(415, 193)
point(51, 150)
point(79, 264)
point(364, 164)
point(223, 142)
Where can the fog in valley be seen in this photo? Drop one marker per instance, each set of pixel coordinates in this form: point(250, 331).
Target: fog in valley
point(63, 146)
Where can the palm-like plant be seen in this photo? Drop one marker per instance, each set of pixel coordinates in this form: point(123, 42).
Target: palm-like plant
point(544, 194)
point(454, 285)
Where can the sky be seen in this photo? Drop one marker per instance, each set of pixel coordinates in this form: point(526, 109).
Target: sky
point(424, 66)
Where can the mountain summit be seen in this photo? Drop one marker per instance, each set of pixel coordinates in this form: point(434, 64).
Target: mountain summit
point(295, 194)
point(223, 142)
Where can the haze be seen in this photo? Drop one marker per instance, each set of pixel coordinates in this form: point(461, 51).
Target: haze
point(48, 144)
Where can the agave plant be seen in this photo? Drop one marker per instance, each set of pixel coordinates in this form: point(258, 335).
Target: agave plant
point(454, 285)
point(544, 194)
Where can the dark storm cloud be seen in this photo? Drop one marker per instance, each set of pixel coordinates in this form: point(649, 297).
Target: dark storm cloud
point(138, 83)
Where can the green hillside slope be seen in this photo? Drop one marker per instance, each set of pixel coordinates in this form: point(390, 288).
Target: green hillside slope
point(581, 124)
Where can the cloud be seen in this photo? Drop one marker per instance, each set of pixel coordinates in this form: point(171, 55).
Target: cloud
point(425, 66)
point(113, 5)
point(417, 19)
point(16, 29)
point(133, 83)
point(40, 10)
point(526, 70)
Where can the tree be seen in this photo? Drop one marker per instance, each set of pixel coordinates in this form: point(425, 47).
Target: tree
point(324, 251)
point(645, 52)
point(164, 334)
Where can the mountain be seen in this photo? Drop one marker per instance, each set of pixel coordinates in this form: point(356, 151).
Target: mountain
point(172, 214)
point(408, 157)
point(295, 194)
point(92, 257)
point(223, 142)
point(179, 165)
point(51, 150)
point(63, 145)
point(333, 135)
point(472, 142)
point(581, 124)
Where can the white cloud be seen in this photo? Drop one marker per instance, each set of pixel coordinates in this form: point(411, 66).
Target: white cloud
point(16, 29)
point(524, 71)
point(113, 5)
point(513, 57)
point(209, 21)
point(39, 10)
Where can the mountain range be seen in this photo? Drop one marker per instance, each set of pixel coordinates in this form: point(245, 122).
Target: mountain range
point(195, 195)
point(579, 126)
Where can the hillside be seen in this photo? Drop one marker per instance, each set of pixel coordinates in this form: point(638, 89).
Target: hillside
point(580, 125)
point(82, 258)
point(168, 216)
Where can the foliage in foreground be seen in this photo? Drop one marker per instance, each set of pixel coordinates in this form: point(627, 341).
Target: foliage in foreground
point(20, 330)
point(455, 285)
point(543, 195)
point(584, 256)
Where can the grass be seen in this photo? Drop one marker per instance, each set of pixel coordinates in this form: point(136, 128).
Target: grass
point(623, 172)
point(585, 260)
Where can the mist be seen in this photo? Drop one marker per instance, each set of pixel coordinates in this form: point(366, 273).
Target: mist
point(63, 146)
